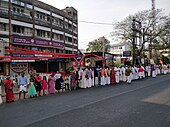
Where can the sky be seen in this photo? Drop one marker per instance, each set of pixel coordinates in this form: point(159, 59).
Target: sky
point(104, 11)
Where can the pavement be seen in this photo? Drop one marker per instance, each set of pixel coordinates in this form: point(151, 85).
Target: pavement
point(144, 103)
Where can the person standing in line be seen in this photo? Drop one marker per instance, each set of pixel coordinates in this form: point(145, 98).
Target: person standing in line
point(9, 90)
point(153, 71)
point(0, 90)
point(133, 73)
point(31, 89)
point(66, 82)
point(96, 79)
point(123, 69)
point(128, 74)
point(117, 74)
point(92, 77)
point(108, 73)
point(102, 77)
point(77, 78)
point(38, 81)
point(143, 73)
point(98, 72)
point(80, 73)
point(121, 74)
point(112, 76)
point(87, 77)
point(51, 84)
point(44, 84)
point(22, 84)
point(146, 70)
point(62, 84)
point(73, 81)
point(140, 70)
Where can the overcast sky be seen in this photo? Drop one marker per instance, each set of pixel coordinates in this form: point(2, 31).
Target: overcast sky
point(105, 11)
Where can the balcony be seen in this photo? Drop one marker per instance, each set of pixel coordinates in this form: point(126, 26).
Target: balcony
point(21, 17)
point(3, 12)
point(42, 22)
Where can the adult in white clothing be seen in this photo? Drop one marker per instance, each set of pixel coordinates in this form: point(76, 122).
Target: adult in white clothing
point(117, 74)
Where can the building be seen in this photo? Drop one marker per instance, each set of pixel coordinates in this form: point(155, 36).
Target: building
point(35, 25)
point(118, 49)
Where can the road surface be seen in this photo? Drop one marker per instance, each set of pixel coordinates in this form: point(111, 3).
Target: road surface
point(144, 103)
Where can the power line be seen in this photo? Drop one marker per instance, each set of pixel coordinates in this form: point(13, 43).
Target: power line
point(97, 23)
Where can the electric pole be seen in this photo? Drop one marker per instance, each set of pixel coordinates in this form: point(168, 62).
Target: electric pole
point(153, 21)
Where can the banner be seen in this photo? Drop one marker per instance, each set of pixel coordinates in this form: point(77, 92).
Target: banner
point(36, 42)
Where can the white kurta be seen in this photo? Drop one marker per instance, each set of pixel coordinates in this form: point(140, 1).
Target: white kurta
point(143, 73)
point(102, 80)
point(153, 74)
point(117, 74)
point(84, 81)
point(129, 79)
point(96, 81)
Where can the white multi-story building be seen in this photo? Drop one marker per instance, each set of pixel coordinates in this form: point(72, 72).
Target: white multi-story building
point(119, 48)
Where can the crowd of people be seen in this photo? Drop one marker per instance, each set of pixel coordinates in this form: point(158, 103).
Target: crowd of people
point(84, 77)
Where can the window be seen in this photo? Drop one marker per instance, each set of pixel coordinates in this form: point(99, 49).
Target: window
point(14, 9)
point(22, 11)
point(18, 10)
point(3, 26)
point(48, 34)
point(69, 39)
point(48, 18)
point(28, 31)
point(40, 33)
point(18, 29)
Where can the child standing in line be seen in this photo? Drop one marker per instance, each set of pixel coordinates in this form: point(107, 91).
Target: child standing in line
point(44, 84)
point(66, 82)
point(31, 89)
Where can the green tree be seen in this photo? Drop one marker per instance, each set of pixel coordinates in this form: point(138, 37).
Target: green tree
point(98, 45)
point(151, 29)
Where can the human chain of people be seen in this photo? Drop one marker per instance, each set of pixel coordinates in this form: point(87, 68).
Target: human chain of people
point(36, 84)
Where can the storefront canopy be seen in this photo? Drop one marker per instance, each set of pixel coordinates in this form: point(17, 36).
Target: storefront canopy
point(25, 55)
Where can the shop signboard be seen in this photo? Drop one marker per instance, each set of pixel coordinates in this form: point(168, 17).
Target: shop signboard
point(21, 40)
point(127, 53)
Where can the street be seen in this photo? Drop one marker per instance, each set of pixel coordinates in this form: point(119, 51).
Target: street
point(144, 103)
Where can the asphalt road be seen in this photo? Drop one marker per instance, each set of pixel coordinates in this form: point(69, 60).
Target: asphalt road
point(144, 103)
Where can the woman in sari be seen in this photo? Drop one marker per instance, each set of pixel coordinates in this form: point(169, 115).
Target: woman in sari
point(112, 76)
point(9, 90)
point(51, 84)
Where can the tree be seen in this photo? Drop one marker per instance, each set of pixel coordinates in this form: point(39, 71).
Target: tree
point(98, 45)
point(151, 28)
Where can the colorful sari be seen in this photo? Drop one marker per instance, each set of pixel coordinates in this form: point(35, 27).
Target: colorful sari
point(9, 90)
point(112, 79)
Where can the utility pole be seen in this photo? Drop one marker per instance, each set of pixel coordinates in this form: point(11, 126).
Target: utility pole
point(133, 41)
point(151, 38)
point(136, 29)
point(103, 52)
